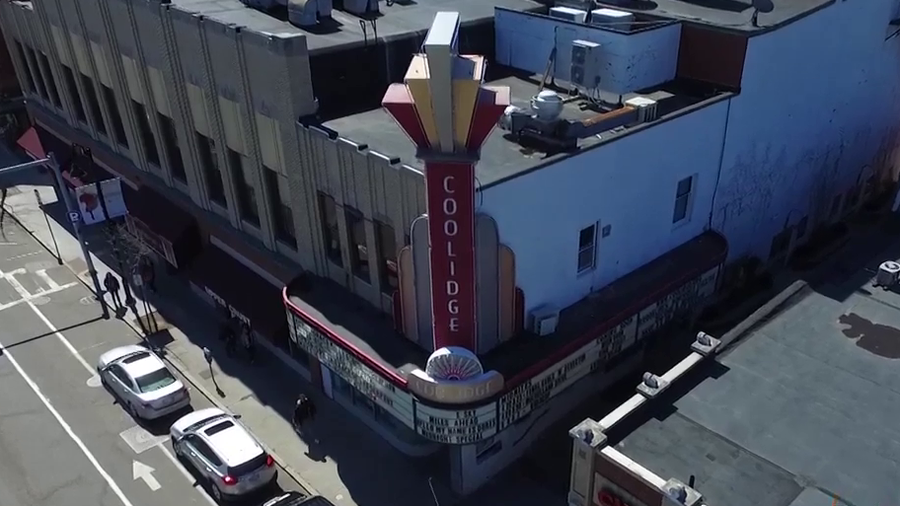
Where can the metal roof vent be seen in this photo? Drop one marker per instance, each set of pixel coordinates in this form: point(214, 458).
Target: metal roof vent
point(306, 13)
point(547, 105)
point(361, 7)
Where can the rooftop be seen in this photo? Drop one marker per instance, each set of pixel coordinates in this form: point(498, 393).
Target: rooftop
point(504, 157)
point(801, 409)
point(402, 17)
point(729, 14)
point(372, 333)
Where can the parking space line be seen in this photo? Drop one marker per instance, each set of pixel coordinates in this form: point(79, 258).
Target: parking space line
point(84, 449)
point(93, 372)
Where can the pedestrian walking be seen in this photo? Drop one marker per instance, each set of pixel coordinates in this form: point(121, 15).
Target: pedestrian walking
point(304, 410)
point(112, 285)
point(230, 341)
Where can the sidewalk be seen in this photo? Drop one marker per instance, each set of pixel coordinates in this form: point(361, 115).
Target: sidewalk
point(350, 464)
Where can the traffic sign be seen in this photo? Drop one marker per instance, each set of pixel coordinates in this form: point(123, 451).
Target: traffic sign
point(74, 217)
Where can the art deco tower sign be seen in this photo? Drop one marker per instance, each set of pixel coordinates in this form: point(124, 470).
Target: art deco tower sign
point(448, 113)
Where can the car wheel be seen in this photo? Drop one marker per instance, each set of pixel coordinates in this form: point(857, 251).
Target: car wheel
point(214, 491)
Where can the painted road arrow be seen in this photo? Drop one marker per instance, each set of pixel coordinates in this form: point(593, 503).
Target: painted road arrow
point(144, 472)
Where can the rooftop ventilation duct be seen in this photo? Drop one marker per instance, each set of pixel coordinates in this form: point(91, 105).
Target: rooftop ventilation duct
point(361, 7)
point(262, 5)
point(306, 13)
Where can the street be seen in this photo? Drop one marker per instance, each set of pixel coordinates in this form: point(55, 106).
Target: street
point(63, 438)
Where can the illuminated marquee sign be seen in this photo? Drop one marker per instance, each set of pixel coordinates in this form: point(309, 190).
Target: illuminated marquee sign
point(456, 427)
point(451, 228)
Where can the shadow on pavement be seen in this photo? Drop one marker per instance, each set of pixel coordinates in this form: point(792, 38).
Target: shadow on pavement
point(51, 333)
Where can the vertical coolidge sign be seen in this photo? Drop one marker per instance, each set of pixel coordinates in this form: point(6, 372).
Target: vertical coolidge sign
point(450, 189)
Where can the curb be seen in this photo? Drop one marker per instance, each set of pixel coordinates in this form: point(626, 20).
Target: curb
point(182, 369)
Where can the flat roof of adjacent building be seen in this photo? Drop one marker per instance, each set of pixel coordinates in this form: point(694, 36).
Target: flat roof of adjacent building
point(404, 17)
point(372, 332)
point(733, 15)
point(502, 157)
point(800, 409)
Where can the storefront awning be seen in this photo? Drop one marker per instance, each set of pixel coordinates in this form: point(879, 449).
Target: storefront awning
point(31, 143)
point(163, 226)
point(229, 281)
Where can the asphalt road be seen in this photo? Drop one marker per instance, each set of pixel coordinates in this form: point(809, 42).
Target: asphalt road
point(63, 439)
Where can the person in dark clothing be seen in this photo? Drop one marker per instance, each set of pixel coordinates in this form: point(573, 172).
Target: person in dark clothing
point(112, 285)
point(304, 410)
point(230, 341)
point(148, 274)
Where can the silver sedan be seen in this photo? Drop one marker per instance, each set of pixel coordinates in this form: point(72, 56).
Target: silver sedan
point(145, 387)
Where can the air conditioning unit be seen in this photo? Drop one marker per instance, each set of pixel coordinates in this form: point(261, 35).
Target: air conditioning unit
point(361, 7)
point(646, 108)
point(611, 18)
point(569, 14)
point(544, 320)
point(263, 5)
point(585, 69)
point(888, 274)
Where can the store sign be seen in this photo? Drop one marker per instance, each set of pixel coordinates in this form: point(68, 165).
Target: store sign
point(384, 393)
point(539, 389)
point(453, 391)
point(461, 427)
point(450, 189)
point(231, 309)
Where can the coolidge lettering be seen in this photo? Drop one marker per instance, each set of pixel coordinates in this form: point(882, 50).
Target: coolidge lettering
point(451, 227)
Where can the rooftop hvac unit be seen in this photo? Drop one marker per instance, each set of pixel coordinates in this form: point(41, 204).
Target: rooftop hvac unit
point(569, 14)
point(888, 274)
point(263, 5)
point(585, 69)
point(645, 106)
point(361, 7)
point(618, 20)
point(544, 320)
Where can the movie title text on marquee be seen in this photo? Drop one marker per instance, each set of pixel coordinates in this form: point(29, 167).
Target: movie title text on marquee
point(461, 427)
point(359, 376)
point(450, 188)
point(676, 302)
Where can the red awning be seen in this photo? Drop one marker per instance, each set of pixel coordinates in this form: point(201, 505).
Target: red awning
point(31, 143)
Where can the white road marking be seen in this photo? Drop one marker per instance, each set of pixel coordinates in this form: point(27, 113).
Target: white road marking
point(94, 382)
point(42, 273)
point(84, 449)
point(19, 288)
point(24, 294)
point(141, 471)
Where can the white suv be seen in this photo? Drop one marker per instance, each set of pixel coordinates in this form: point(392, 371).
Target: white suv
point(229, 459)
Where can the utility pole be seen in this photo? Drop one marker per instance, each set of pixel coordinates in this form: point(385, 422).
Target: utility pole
point(74, 216)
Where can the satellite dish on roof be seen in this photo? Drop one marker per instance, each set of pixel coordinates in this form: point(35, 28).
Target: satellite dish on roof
point(761, 6)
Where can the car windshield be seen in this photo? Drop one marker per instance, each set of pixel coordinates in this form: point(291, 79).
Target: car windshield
point(155, 380)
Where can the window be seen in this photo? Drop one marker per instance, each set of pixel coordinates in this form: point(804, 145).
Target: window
point(387, 257)
point(146, 131)
point(170, 143)
point(246, 193)
point(587, 247)
point(683, 199)
point(330, 230)
point(33, 63)
point(282, 215)
point(72, 87)
point(113, 107)
point(359, 253)
point(51, 84)
point(210, 162)
point(29, 79)
point(93, 103)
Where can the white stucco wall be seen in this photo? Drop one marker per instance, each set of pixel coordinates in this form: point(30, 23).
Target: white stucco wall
point(818, 103)
point(628, 184)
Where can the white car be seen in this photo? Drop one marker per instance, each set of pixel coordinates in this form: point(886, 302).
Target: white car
point(229, 460)
point(145, 387)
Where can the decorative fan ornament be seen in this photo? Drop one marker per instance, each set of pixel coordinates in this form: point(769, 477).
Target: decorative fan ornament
point(453, 363)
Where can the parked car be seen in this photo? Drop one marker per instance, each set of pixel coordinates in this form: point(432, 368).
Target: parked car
point(230, 462)
point(298, 499)
point(145, 387)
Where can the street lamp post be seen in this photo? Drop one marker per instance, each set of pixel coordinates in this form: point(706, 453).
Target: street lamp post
point(73, 214)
